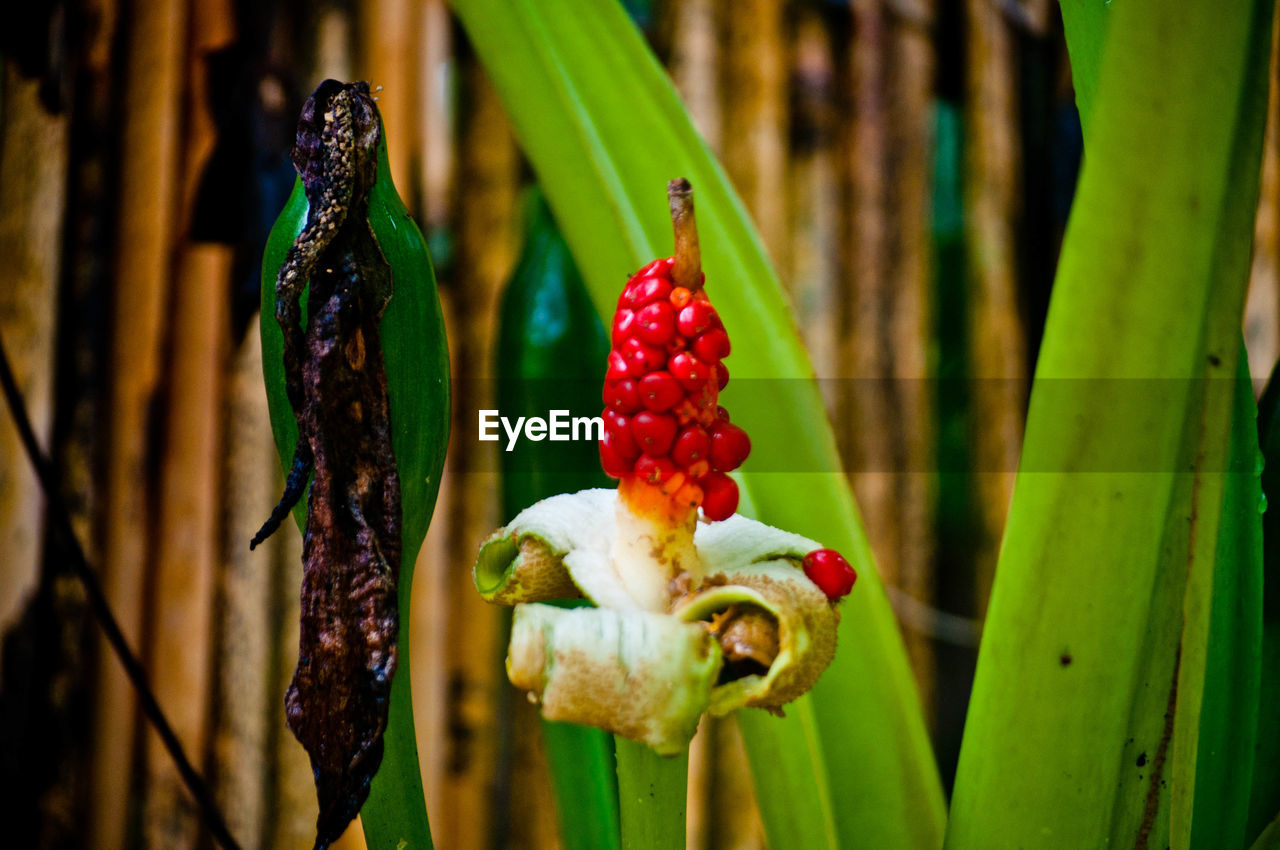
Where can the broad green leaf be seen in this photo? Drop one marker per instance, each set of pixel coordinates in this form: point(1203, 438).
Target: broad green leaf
point(551, 355)
point(1071, 734)
point(605, 131)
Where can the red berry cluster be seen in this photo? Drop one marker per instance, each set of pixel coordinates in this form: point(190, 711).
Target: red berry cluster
point(662, 422)
point(828, 569)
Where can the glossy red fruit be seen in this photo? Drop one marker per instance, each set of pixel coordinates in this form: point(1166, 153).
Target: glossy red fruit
point(641, 358)
point(656, 323)
point(696, 317)
point(615, 466)
point(659, 391)
point(619, 368)
point(624, 325)
point(713, 346)
point(658, 268)
point(730, 446)
point(654, 470)
point(722, 375)
point(680, 297)
point(618, 428)
point(721, 413)
point(691, 372)
point(622, 396)
point(719, 495)
point(691, 446)
point(828, 569)
point(646, 290)
point(654, 432)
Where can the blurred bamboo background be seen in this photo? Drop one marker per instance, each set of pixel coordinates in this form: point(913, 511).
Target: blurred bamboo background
point(909, 164)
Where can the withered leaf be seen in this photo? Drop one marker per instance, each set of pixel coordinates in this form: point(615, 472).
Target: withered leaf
point(336, 381)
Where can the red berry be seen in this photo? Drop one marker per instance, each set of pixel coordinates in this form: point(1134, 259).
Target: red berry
point(721, 413)
point(645, 290)
point(690, 447)
point(619, 368)
point(613, 463)
point(828, 569)
point(722, 375)
point(656, 323)
point(659, 391)
point(654, 432)
point(691, 372)
point(658, 267)
point(719, 495)
point(696, 317)
point(680, 297)
point(730, 446)
point(618, 429)
point(624, 325)
point(712, 346)
point(622, 396)
point(641, 358)
point(655, 470)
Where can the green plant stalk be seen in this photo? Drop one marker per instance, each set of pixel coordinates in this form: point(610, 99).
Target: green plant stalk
point(605, 131)
point(551, 355)
point(653, 796)
point(417, 365)
point(1084, 641)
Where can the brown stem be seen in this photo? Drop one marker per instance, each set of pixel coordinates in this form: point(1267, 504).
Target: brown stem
point(688, 266)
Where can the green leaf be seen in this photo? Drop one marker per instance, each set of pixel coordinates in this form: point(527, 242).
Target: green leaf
point(417, 362)
point(1114, 531)
point(653, 792)
point(551, 355)
point(605, 131)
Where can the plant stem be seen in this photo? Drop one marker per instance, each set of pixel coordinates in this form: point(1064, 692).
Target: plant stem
point(688, 267)
point(652, 795)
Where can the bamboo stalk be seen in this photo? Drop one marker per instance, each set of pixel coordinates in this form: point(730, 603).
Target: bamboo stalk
point(436, 120)
point(33, 193)
point(488, 167)
point(753, 66)
point(148, 190)
point(246, 699)
point(695, 48)
point(387, 59)
point(910, 329)
point(997, 346)
point(1262, 304)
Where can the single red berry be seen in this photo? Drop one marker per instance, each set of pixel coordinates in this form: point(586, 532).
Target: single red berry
point(659, 391)
point(691, 372)
point(722, 375)
point(730, 446)
point(828, 569)
point(719, 495)
point(619, 368)
point(646, 290)
point(641, 358)
point(654, 470)
point(613, 463)
point(618, 429)
point(696, 317)
point(656, 323)
point(658, 268)
point(721, 413)
point(622, 396)
point(690, 447)
point(680, 297)
point(712, 346)
point(654, 432)
point(624, 325)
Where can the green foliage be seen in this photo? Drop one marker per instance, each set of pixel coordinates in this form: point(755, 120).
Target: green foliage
point(1091, 692)
point(605, 131)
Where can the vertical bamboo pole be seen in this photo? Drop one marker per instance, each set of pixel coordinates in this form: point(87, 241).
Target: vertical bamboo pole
point(997, 344)
point(1262, 307)
point(694, 61)
point(247, 703)
point(181, 623)
point(755, 106)
point(155, 48)
point(488, 167)
point(910, 329)
point(33, 192)
point(387, 58)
